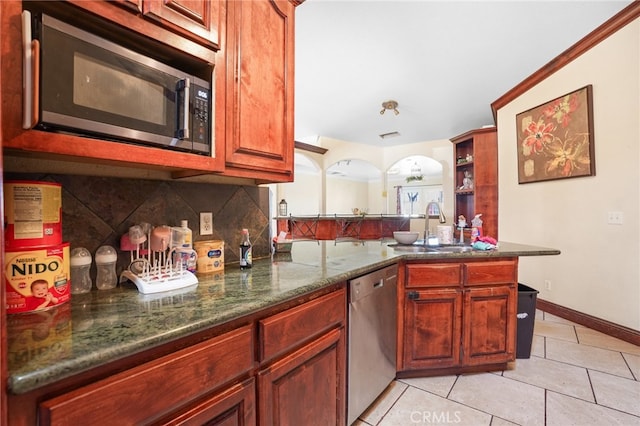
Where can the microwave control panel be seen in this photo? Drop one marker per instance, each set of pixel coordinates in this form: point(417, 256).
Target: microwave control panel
point(201, 113)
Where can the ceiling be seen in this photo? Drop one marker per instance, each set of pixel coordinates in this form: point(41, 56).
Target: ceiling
point(444, 62)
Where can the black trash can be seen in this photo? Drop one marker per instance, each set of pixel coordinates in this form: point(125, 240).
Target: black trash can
point(526, 319)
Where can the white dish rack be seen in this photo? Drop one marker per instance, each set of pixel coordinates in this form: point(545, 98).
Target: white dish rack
point(153, 275)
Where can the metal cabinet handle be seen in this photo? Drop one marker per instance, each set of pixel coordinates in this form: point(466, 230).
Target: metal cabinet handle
point(413, 295)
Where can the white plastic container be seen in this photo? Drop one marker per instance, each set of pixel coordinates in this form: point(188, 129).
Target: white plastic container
point(182, 245)
point(80, 266)
point(181, 236)
point(106, 258)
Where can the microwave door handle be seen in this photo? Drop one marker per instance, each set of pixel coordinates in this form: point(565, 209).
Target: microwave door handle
point(27, 72)
point(184, 86)
point(35, 108)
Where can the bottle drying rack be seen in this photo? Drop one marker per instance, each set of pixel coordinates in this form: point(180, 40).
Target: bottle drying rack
point(154, 275)
point(155, 282)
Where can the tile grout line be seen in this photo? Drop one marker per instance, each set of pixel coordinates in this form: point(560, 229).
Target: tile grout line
point(546, 393)
point(629, 367)
point(593, 391)
point(394, 402)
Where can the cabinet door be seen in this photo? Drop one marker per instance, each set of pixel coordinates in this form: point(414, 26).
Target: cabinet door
point(260, 61)
point(234, 406)
point(195, 19)
point(489, 325)
point(306, 387)
point(432, 333)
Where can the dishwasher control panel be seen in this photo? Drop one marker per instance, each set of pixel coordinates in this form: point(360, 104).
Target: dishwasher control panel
point(365, 285)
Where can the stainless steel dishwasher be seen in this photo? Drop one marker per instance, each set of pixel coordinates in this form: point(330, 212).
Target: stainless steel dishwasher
point(372, 338)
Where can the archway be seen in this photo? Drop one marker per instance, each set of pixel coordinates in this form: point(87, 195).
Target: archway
point(412, 183)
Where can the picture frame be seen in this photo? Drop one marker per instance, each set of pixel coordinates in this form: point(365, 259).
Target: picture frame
point(555, 139)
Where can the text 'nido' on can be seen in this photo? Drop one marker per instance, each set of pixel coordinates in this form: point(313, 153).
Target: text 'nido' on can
point(36, 278)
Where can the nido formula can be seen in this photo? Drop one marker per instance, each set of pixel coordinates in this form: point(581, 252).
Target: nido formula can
point(210, 256)
point(37, 278)
point(33, 214)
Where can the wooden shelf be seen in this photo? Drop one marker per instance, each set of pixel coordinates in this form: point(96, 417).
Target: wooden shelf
point(481, 145)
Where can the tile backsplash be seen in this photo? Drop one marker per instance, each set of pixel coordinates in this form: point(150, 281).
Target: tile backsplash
point(99, 210)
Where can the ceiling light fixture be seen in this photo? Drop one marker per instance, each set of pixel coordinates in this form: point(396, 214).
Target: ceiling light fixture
point(390, 105)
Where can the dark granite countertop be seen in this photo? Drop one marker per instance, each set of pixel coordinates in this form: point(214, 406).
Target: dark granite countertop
point(103, 326)
point(371, 216)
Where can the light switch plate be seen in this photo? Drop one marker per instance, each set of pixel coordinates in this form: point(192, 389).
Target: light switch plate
point(206, 223)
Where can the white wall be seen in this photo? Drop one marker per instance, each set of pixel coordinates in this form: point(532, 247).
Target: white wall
point(343, 195)
point(598, 272)
point(305, 196)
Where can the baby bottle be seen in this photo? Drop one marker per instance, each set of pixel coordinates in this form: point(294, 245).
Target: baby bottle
point(80, 265)
point(106, 257)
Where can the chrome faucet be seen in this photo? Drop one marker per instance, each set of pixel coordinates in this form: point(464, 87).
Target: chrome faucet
point(434, 211)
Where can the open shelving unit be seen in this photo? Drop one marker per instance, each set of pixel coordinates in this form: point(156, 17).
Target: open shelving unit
point(476, 153)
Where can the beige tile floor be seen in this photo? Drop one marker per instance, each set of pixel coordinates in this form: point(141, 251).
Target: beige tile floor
point(575, 376)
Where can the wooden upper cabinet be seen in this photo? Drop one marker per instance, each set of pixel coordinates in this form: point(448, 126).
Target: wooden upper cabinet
point(260, 84)
point(196, 19)
point(84, 149)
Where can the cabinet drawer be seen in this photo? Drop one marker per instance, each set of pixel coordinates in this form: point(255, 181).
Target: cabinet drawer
point(434, 275)
point(284, 331)
point(493, 272)
point(151, 390)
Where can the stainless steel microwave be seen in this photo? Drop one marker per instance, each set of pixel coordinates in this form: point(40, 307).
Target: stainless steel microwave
point(77, 82)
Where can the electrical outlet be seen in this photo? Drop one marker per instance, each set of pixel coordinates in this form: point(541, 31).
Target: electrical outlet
point(615, 218)
point(206, 223)
point(547, 284)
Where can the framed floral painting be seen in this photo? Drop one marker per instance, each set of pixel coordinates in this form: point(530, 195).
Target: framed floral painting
point(555, 139)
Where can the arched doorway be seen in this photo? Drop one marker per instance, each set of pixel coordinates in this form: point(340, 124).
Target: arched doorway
point(412, 183)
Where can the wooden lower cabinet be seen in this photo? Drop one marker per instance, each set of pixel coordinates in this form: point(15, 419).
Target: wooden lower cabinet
point(303, 378)
point(286, 368)
point(432, 332)
point(458, 316)
point(305, 388)
point(489, 324)
point(233, 406)
point(167, 387)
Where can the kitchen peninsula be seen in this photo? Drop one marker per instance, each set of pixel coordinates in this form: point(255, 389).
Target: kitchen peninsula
point(227, 343)
point(344, 226)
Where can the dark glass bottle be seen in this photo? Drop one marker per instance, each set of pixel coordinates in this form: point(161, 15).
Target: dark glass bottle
point(246, 260)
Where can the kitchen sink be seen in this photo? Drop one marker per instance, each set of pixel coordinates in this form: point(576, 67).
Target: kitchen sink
point(421, 248)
